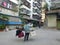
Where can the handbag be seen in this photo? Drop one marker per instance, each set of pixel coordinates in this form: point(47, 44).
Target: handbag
point(32, 28)
point(33, 33)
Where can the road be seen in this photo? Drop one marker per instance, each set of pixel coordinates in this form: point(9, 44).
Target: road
point(43, 37)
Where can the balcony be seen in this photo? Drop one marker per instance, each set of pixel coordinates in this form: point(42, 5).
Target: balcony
point(15, 8)
point(35, 13)
point(15, 2)
point(39, 7)
point(24, 11)
point(35, 2)
point(39, 12)
point(36, 5)
point(28, 18)
point(29, 1)
point(36, 17)
point(23, 6)
point(26, 3)
point(55, 4)
point(55, 1)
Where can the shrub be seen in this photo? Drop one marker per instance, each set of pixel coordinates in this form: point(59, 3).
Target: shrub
point(2, 26)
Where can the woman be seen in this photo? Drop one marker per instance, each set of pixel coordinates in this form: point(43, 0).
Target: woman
point(18, 31)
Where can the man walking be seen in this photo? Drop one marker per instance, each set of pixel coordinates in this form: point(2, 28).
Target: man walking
point(27, 31)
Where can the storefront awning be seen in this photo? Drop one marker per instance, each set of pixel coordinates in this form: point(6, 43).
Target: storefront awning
point(13, 23)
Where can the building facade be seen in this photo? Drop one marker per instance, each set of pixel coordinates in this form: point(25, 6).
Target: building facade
point(31, 10)
point(10, 9)
point(53, 15)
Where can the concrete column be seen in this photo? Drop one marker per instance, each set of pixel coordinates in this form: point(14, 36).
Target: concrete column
point(31, 9)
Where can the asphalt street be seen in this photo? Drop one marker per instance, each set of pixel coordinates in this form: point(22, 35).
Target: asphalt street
point(43, 37)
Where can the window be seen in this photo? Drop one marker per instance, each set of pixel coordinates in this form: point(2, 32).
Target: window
point(36, 16)
point(34, 10)
point(34, 4)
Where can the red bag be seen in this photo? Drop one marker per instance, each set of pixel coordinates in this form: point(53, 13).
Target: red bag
point(21, 35)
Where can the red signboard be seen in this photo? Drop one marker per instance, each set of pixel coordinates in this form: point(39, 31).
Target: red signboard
point(4, 4)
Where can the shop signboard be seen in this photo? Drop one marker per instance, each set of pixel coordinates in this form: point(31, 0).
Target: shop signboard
point(4, 4)
point(8, 4)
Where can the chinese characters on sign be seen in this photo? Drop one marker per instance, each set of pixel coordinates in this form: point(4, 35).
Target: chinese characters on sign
point(7, 5)
point(4, 4)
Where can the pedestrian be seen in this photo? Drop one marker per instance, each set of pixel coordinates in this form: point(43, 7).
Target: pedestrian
point(18, 31)
point(27, 31)
point(6, 29)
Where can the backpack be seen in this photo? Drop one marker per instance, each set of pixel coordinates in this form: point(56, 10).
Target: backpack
point(17, 32)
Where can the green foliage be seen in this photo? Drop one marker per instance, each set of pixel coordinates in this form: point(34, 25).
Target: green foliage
point(45, 6)
point(5, 17)
point(2, 26)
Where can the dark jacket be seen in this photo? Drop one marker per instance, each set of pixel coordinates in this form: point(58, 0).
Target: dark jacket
point(18, 32)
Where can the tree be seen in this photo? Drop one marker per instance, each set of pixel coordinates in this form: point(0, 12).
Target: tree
point(45, 7)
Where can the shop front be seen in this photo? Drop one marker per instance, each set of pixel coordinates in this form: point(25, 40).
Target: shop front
point(53, 20)
point(10, 21)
